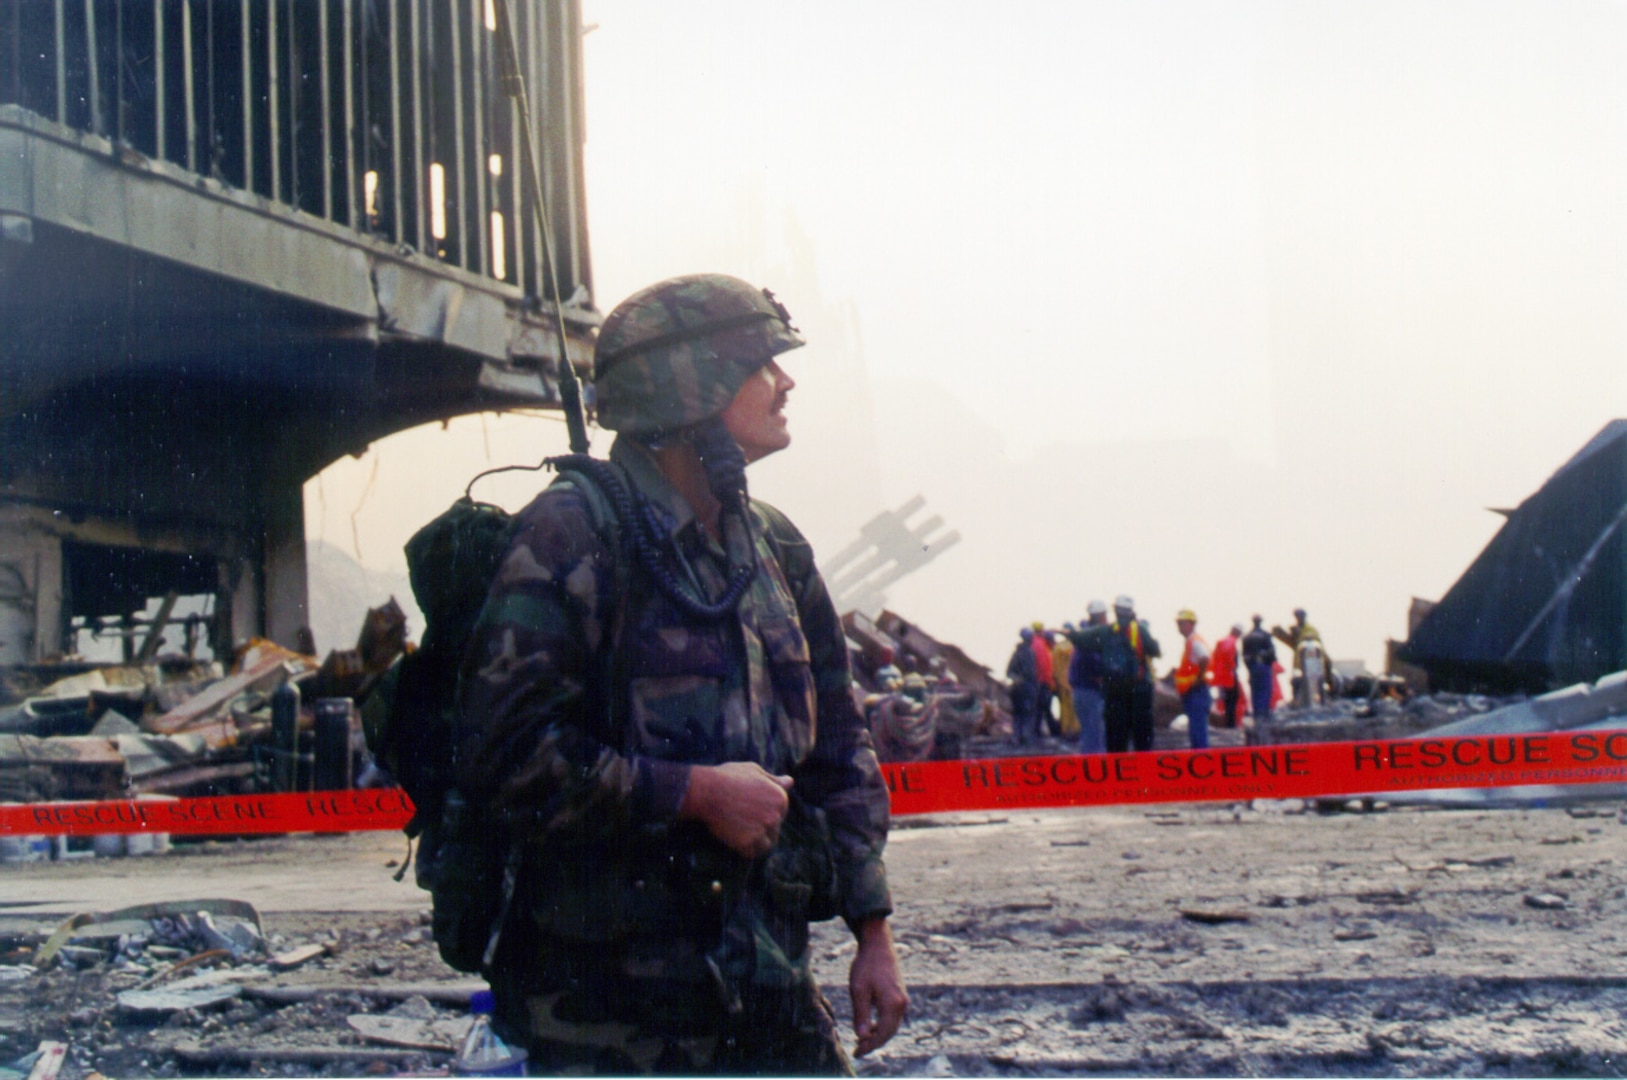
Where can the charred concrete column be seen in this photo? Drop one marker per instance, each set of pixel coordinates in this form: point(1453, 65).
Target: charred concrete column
point(285, 590)
point(31, 621)
point(238, 617)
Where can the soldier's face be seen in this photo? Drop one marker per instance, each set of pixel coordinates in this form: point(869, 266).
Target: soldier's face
point(756, 416)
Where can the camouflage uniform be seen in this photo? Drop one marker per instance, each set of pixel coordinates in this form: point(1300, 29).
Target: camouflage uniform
point(638, 943)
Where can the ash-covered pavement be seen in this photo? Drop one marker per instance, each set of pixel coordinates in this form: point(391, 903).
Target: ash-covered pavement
point(1213, 939)
point(1263, 939)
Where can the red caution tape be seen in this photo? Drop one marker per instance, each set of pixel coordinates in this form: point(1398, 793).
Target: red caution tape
point(235, 815)
point(1281, 771)
point(1299, 771)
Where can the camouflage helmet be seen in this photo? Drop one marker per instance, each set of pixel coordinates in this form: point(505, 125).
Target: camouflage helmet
point(675, 353)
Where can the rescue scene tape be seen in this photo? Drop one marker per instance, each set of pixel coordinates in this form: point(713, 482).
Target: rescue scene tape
point(1278, 771)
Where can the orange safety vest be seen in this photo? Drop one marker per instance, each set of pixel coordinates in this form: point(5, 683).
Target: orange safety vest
point(1190, 671)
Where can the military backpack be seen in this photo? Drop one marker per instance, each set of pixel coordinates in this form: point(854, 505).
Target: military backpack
point(462, 856)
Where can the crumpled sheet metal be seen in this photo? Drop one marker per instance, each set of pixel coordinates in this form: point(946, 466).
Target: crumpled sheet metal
point(170, 909)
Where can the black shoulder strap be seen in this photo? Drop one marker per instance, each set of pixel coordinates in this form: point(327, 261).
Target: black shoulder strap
point(608, 690)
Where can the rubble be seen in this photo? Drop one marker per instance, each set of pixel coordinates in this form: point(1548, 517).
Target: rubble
point(945, 704)
point(176, 727)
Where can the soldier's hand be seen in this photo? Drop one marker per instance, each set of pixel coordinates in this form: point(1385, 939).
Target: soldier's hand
point(877, 986)
point(740, 803)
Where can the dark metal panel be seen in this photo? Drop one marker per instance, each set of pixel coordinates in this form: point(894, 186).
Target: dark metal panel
point(524, 275)
point(347, 72)
point(455, 167)
point(15, 31)
point(397, 225)
point(96, 123)
point(327, 107)
point(189, 86)
point(291, 141)
point(61, 65)
point(273, 113)
point(118, 72)
point(514, 222)
point(160, 68)
point(417, 74)
point(480, 155)
point(361, 79)
point(538, 28)
point(248, 98)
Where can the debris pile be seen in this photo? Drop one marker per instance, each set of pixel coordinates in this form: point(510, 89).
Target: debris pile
point(197, 986)
point(924, 699)
point(176, 726)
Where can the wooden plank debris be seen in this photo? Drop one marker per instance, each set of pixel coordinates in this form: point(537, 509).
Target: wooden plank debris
point(49, 1063)
point(293, 958)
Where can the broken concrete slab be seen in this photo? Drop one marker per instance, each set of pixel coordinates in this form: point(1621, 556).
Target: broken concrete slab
point(76, 767)
point(444, 1033)
point(268, 672)
point(1573, 707)
point(173, 1000)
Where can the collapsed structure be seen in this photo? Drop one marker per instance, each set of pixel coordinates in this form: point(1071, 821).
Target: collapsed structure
point(236, 243)
point(276, 721)
point(1545, 604)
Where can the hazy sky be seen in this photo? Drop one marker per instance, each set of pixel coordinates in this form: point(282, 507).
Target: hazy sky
point(1240, 306)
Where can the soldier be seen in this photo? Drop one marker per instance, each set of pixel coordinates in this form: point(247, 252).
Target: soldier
point(644, 725)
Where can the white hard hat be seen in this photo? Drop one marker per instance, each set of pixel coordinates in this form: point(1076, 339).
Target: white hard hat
point(1096, 608)
point(1124, 602)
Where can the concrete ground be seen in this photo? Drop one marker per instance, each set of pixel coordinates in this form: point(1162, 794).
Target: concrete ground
point(1255, 939)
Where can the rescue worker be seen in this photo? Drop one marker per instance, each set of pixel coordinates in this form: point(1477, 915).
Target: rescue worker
point(1023, 671)
point(1067, 721)
point(1044, 672)
point(1260, 657)
point(1295, 638)
point(1085, 678)
point(1127, 684)
point(665, 727)
point(1190, 682)
point(1223, 674)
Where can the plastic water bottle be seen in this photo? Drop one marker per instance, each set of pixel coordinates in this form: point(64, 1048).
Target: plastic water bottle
point(484, 1053)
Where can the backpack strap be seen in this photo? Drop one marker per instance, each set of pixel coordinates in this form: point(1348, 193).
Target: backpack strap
point(609, 661)
point(606, 690)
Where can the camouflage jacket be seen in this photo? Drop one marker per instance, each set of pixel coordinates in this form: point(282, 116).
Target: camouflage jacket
point(769, 683)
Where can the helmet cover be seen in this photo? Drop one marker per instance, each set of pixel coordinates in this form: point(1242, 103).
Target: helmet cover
point(676, 352)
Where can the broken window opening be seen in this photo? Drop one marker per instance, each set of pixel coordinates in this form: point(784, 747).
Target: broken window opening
point(129, 605)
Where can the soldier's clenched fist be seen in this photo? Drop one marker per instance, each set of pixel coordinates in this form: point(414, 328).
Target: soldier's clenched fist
point(740, 802)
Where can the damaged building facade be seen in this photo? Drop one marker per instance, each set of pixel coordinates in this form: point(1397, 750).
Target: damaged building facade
point(239, 240)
